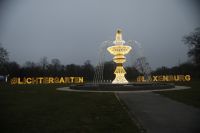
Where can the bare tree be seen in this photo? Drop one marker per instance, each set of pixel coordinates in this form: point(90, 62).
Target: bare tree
point(44, 62)
point(56, 63)
point(29, 64)
point(193, 41)
point(3, 55)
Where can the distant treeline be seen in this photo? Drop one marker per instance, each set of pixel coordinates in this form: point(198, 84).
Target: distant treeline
point(87, 70)
point(55, 68)
point(183, 69)
point(44, 68)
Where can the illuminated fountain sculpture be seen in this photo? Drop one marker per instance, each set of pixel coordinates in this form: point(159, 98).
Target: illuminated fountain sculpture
point(119, 50)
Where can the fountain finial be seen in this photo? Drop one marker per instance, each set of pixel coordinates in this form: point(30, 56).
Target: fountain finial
point(119, 31)
point(118, 36)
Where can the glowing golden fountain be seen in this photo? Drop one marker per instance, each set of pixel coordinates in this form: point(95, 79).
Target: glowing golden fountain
point(119, 50)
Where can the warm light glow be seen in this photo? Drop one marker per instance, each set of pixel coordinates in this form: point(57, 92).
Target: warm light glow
point(120, 78)
point(119, 50)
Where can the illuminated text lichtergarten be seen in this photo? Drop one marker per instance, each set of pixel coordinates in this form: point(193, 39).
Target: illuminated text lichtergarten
point(46, 80)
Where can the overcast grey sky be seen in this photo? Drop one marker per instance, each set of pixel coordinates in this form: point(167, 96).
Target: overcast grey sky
point(72, 30)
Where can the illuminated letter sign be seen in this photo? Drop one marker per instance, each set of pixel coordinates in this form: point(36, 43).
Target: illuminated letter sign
point(46, 80)
point(165, 78)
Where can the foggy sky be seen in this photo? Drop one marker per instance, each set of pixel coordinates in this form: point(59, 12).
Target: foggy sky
point(73, 30)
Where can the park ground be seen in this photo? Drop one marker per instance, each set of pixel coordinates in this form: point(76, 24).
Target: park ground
point(43, 109)
point(190, 96)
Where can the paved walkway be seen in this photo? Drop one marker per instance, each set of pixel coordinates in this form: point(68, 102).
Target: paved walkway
point(159, 114)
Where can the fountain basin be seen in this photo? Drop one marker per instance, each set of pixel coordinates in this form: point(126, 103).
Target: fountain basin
point(122, 87)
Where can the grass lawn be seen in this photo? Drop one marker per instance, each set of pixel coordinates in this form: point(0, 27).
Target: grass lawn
point(42, 109)
point(189, 96)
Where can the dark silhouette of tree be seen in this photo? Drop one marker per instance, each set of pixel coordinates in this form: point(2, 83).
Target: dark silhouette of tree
point(131, 73)
point(13, 68)
point(10, 68)
point(55, 68)
point(29, 64)
point(88, 70)
point(162, 71)
point(3, 55)
point(3, 61)
point(44, 62)
point(31, 69)
point(182, 69)
point(73, 70)
point(108, 71)
point(56, 64)
point(193, 41)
